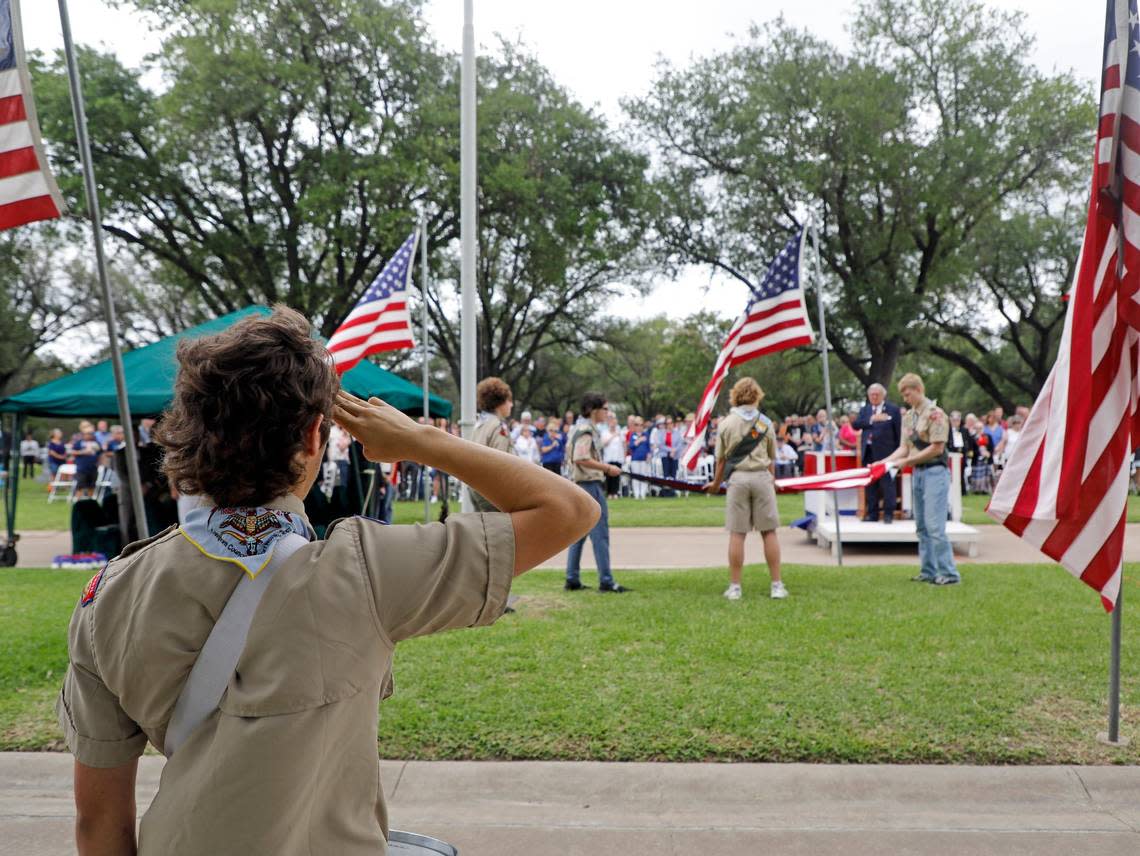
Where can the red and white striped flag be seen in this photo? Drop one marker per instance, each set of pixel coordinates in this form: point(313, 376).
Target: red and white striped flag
point(1065, 487)
point(27, 189)
point(774, 320)
point(379, 321)
point(840, 480)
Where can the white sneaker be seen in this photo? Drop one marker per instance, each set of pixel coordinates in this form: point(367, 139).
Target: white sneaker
point(778, 591)
point(733, 592)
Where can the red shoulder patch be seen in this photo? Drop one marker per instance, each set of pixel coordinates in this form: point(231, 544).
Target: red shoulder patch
point(92, 588)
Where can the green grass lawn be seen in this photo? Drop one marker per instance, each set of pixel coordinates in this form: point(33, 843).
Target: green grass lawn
point(859, 665)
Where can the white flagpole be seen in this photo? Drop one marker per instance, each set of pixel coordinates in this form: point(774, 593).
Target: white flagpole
point(823, 349)
point(467, 234)
point(424, 309)
point(96, 215)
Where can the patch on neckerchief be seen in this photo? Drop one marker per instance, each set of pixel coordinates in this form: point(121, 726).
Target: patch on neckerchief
point(502, 431)
point(243, 535)
point(92, 588)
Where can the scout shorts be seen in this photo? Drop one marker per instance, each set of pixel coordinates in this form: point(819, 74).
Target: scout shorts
point(751, 503)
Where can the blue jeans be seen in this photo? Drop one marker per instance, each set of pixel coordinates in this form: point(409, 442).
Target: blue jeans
point(931, 501)
point(599, 537)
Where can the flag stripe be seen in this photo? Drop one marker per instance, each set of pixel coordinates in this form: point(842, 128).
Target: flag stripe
point(27, 211)
point(10, 83)
point(18, 161)
point(18, 135)
point(12, 109)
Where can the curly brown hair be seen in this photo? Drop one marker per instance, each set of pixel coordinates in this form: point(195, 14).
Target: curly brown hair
point(242, 401)
point(744, 392)
point(492, 392)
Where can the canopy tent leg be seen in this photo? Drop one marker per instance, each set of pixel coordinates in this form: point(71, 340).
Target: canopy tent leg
point(8, 556)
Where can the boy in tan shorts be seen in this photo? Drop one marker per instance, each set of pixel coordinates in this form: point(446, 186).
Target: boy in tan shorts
point(746, 454)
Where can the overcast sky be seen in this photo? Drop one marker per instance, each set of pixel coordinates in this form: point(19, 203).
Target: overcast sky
point(603, 50)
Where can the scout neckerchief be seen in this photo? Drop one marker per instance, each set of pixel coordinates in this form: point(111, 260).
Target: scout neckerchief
point(915, 416)
point(244, 536)
point(585, 426)
point(753, 438)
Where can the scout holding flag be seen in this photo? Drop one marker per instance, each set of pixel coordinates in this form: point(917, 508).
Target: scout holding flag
point(745, 457)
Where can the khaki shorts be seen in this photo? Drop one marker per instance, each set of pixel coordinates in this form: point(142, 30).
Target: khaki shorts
point(751, 503)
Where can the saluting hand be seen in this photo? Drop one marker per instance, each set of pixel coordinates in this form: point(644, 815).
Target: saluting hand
point(386, 434)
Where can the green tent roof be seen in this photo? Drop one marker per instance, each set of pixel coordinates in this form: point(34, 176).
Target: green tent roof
point(90, 392)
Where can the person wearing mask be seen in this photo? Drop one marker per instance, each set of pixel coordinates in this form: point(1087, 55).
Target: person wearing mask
point(881, 424)
point(274, 751)
point(589, 472)
point(925, 433)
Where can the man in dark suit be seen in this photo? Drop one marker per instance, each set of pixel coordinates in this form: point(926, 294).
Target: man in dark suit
point(881, 424)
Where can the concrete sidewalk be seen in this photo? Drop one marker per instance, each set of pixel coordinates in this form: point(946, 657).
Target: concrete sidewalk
point(592, 809)
point(702, 547)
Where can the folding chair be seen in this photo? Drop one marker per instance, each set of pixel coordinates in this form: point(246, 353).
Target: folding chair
point(104, 483)
point(63, 483)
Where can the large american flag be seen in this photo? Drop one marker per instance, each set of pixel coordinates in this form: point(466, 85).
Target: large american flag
point(1065, 487)
point(774, 319)
point(27, 189)
point(379, 321)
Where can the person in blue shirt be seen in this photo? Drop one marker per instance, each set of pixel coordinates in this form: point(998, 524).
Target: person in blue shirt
point(87, 452)
point(552, 446)
point(639, 457)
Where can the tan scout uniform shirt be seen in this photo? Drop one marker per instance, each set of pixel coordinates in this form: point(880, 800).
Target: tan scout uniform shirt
point(584, 437)
point(494, 432)
point(733, 429)
point(288, 764)
point(927, 424)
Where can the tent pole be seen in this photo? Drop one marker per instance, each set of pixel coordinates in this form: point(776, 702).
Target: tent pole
point(12, 464)
point(426, 377)
point(96, 216)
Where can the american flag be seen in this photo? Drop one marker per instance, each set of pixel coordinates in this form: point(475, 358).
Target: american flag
point(1065, 487)
point(379, 321)
point(27, 189)
point(841, 480)
point(774, 320)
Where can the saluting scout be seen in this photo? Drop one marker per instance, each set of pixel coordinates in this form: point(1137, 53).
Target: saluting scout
point(494, 399)
point(274, 750)
point(746, 455)
point(924, 435)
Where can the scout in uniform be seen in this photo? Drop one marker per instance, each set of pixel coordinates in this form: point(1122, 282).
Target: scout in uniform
point(494, 399)
point(274, 751)
point(589, 471)
point(746, 455)
point(925, 433)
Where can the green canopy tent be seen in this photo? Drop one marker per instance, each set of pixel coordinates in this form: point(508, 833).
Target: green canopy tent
point(150, 371)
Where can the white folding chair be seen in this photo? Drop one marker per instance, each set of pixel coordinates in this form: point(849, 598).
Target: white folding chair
point(104, 483)
point(63, 485)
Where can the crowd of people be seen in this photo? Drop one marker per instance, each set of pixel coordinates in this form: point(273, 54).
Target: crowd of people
point(90, 447)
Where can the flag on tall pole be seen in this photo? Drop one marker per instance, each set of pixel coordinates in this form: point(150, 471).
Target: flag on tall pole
point(775, 319)
point(380, 320)
point(1065, 487)
point(28, 191)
